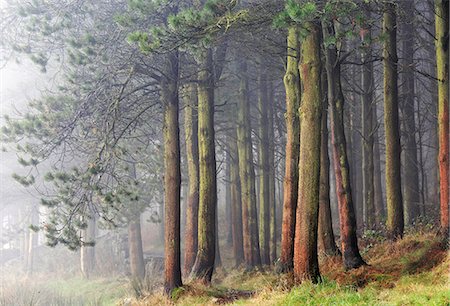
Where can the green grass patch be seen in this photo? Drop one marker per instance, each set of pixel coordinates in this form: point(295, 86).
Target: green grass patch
point(329, 293)
point(99, 291)
point(57, 291)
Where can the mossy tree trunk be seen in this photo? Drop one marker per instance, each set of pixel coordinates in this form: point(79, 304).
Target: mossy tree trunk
point(191, 136)
point(367, 86)
point(395, 222)
point(306, 264)
point(326, 234)
point(204, 263)
point(292, 88)
point(172, 174)
point(347, 218)
point(442, 54)
point(247, 175)
point(264, 188)
point(410, 163)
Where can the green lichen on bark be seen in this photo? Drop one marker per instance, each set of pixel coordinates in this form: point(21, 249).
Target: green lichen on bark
point(395, 221)
point(306, 265)
point(204, 263)
point(292, 88)
point(442, 62)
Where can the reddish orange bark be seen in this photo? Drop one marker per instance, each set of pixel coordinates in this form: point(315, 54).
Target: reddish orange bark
point(347, 218)
point(292, 87)
point(442, 53)
point(172, 175)
point(306, 263)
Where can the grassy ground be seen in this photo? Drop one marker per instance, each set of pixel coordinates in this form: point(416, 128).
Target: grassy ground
point(47, 291)
point(413, 271)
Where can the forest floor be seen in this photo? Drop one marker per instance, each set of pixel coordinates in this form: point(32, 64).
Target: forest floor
point(41, 290)
point(412, 271)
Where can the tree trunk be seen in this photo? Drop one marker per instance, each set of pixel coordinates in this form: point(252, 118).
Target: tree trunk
point(252, 184)
point(326, 234)
point(380, 211)
point(183, 200)
point(433, 177)
point(349, 242)
point(161, 222)
point(264, 188)
point(204, 263)
point(391, 123)
point(172, 175)
point(421, 164)
point(32, 239)
point(217, 258)
point(136, 254)
point(228, 203)
point(272, 201)
point(87, 252)
point(247, 175)
point(24, 240)
point(306, 264)
point(292, 87)
point(442, 54)
point(279, 118)
point(236, 208)
point(191, 135)
point(410, 166)
point(367, 85)
point(356, 164)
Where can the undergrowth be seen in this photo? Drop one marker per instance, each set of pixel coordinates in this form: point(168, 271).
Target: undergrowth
point(411, 271)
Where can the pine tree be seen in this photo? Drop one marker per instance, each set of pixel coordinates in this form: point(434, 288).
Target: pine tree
point(326, 234)
point(442, 54)
point(264, 188)
point(135, 249)
point(292, 88)
point(204, 263)
point(347, 219)
point(306, 263)
point(247, 174)
point(410, 161)
point(87, 252)
point(367, 85)
point(236, 203)
point(172, 174)
point(395, 221)
point(191, 135)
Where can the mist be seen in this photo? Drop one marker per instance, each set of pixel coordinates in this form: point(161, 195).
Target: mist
point(220, 152)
